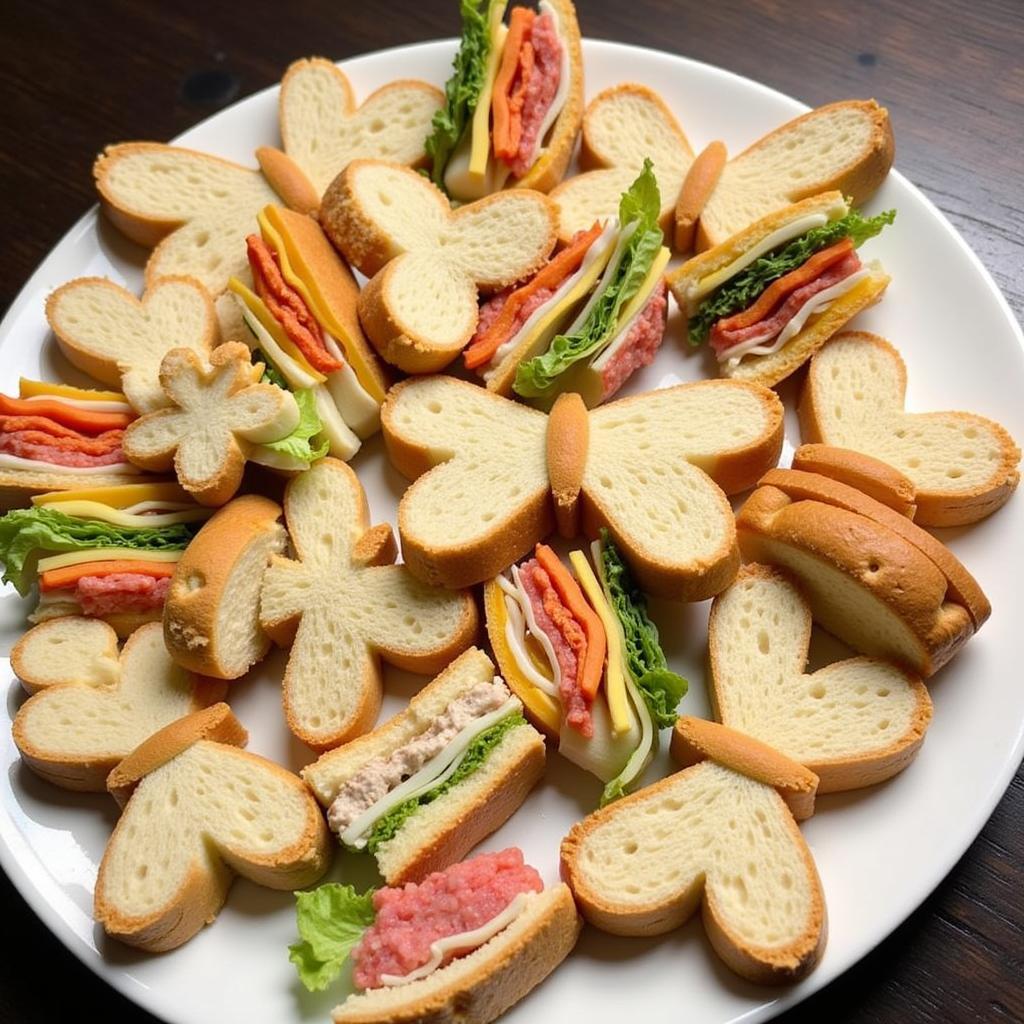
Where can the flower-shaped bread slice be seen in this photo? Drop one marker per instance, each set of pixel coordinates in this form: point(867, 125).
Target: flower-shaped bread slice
point(108, 333)
point(323, 129)
point(216, 411)
point(720, 835)
point(346, 609)
point(427, 261)
point(963, 466)
point(853, 723)
point(90, 707)
point(197, 811)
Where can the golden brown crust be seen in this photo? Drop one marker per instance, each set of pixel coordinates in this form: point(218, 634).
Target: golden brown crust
point(875, 478)
point(216, 723)
point(288, 180)
point(699, 183)
point(201, 579)
point(694, 740)
point(568, 431)
point(376, 547)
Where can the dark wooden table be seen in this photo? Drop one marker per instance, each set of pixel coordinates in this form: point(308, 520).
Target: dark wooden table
point(77, 76)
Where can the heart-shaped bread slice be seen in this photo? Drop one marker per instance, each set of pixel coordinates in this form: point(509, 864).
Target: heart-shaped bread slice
point(853, 723)
point(963, 466)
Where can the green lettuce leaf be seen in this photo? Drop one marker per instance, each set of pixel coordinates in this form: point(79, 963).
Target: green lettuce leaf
point(299, 443)
point(331, 920)
point(613, 791)
point(271, 374)
point(476, 754)
point(661, 688)
point(745, 288)
point(28, 534)
point(462, 90)
point(640, 206)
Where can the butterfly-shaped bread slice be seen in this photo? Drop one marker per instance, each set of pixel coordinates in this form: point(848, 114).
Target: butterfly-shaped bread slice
point(963, 466)
point(853, 722)
point(654, 469)
point(721, 835)
point(91, 707)
point(108, 333)
point(347, 608)
point(198, 811)
point(216, 410)
point(323, 129)
point(428, 262)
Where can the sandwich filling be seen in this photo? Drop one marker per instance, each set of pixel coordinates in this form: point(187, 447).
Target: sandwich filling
point(377, 800)
point(397, 935)
point(771, 297)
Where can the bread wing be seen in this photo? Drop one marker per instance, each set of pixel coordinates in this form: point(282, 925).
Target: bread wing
point(963, 466)
point(347, 615)
point(108, 333)
point(323, 129)
point(658, 469)
point(75, 730)
point(853, 723)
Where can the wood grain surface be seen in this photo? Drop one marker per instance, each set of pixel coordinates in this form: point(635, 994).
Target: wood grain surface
point(75, 77)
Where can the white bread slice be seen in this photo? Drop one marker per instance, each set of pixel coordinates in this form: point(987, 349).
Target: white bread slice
point(200, 811)
point(846, 146)
point(655, 472)
point(196, 209)
point(707, 836)
point(323, 129)
point(216, 410)
point(866, 584)
point(445, 830)
point(92, 709)
point(211, 615)
point(621, 126)
point(479, 987)
point(109, 334)
point(852, 723)
point(962, 466)
point(426, 260)
point(346, 615)
point(873, 477)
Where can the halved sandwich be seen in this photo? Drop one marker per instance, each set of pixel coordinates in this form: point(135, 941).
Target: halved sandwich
point(590, 317)
point(54, 436)
point(106, 553)
point(769, 297)
point(582, 655)
point(514, 103)
point(465, 943)
point(422, 790)
point(302, 316)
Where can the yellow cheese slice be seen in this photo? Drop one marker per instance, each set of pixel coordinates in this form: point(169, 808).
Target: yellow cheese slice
point(35, 388)
point(106, 555)
point(121, 496)
point(615, 682)
point(105, 514)
point(481, 145)
point(639, 300)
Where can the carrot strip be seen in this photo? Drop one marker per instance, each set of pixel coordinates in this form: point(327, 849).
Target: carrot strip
point(570, 593)
point(507, 129)
point(85, 421)
point(779, 289)
point(551, 275)
point(69, 575)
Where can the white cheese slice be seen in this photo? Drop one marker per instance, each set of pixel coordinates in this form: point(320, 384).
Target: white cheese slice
point(105, 555)
point(38, 466)
point(357, 406)
point(520, 618)
point(85, 509)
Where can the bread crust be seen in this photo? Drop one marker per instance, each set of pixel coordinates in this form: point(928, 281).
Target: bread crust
point(568, 432)
point(477, 989)
point(288, 180)
point(191, 613)
point(699, 183)
point(873, 477)
point(123, 623)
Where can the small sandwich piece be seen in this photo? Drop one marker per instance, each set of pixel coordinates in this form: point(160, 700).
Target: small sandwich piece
point(105, 553)
point(589, 318)
point(302, 323)
point(514, 102)
point(963, 467)
point(582, 655)
point(769, 297)
point(423, 789)
point(91, 708)
point(197, 810)
point(720, 835)
point(466, 943)
point(58, 437)
point(211, 615)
